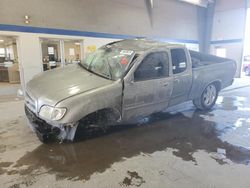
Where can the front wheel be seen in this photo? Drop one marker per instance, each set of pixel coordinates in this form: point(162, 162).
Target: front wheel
point(207, 99)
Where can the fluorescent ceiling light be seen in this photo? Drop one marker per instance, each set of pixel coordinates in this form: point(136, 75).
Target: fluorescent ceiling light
point(1, 40)
point(202, 3)
point(77, 43)
point(26, 17)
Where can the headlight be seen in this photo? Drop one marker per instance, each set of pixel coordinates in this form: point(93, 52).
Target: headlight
point(52, 113)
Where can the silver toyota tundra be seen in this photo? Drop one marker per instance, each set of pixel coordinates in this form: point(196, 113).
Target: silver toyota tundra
point(122, 81)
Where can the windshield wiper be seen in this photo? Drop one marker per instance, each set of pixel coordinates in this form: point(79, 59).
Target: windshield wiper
point(81, 65)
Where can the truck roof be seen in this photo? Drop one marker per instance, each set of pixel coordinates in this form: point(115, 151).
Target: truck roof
point(141, 44)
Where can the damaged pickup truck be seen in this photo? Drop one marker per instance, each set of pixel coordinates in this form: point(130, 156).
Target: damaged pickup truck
point(122, 81)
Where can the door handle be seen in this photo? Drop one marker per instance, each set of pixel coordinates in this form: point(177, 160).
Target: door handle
point(177, 80)
point(165, 84)
point(158, 68)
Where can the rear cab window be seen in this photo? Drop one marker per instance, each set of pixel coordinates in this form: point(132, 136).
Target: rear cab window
point(179, 60)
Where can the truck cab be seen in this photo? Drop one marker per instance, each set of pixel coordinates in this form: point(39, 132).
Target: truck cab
point(158, 78)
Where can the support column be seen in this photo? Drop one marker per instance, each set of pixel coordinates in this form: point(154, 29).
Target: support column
point(205, 26)
point(62, 53)
point(82, 50)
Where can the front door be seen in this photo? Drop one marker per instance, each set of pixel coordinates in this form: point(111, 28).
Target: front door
point(150, 89)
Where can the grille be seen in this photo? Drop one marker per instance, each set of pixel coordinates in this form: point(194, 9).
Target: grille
point(30, 102)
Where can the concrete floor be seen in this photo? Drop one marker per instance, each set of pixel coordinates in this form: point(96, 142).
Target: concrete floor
point(8, 89)
point(180, 148)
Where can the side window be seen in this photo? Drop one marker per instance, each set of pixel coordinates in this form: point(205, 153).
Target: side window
point(154, 65)
point(179, 60)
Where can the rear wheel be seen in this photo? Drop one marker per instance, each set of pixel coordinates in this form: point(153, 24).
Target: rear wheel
point(208, 98)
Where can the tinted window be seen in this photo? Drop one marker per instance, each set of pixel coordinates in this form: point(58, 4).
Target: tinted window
point(179, 60)
point(154, 65)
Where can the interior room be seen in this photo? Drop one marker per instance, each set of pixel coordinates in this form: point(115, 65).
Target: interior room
point(51, 53)
point(60, 52)
point(9, 65)
point(9, 60)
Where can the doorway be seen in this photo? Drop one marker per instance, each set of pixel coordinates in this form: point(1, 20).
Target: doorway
point(9, 66)
point(51, 53)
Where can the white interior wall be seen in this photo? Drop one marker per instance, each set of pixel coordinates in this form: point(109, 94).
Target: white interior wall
point(29, 50)
point(171, 18)
point(228, 29)
point(233, 51)
point(229, 24)
point(97, 42)
point(247, 35)
point(30, 56)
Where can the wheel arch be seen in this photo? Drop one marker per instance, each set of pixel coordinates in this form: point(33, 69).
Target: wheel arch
point(217, 84)
point(113, 114)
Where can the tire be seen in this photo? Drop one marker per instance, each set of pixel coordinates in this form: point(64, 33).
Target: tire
point(96, 119)
point(207, 99)
point(247, 72)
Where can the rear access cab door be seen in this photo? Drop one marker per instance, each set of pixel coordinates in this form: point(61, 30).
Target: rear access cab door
point(182, 75)
point(148, 85)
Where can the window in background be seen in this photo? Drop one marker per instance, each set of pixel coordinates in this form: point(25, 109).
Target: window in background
point(72, 51)
point(60, 52)
point(51, 50)
point(51, 53)
point(2, 52)
point(9, 68)
point(221, 52)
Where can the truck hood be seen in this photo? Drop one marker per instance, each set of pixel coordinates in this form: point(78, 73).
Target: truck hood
point(55, 85)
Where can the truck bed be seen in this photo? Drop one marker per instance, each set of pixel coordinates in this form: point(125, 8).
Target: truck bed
point(209, 68)
point(200, 59)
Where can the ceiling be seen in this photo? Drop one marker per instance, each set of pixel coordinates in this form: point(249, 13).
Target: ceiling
point(150, 6)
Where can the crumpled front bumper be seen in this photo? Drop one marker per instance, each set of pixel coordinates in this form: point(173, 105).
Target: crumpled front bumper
point(44, 131)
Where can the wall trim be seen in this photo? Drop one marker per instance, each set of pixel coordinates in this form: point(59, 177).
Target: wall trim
point(226, 41)
point(31, 29)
